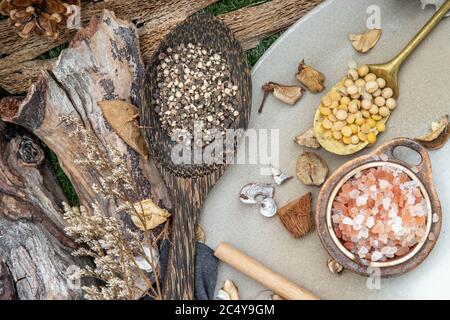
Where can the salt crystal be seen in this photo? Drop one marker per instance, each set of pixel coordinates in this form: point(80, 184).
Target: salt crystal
point(397, 228)
point(370, 222)
point(435, 218)
point(354, 194)
point(386, 203)
point(362, 252)
point(361, 200)
point(347, 221)
point(373, 188)
point(336, 218)
point(376, 255)
point(384, 184)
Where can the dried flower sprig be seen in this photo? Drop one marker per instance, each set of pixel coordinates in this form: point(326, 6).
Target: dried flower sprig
point(121, 256)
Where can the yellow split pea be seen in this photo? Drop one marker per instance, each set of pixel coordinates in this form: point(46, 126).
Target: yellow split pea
point(357, 111)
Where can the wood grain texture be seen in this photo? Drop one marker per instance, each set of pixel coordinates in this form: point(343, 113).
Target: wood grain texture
point(424, 175)
point(189, 184)
point(34, 250)
point(103, 62)
point(154, 20)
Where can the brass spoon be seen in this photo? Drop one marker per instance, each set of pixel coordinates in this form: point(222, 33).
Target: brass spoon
point(387, 71)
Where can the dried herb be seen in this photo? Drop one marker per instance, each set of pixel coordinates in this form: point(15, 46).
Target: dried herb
point(310, 77)
point(308, 139)
point(365, 41)
point(287, 94)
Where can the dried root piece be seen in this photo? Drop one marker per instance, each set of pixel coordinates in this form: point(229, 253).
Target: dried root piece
point(439, 135)
point(148, 215)
point(311, 169)
point(310, 77)
point(229, 291)
point(307, 139)
point(287, 94)
point(122, 117)
point(334, 266)
point(365, 41)
point(39, 17)
point(296, 216)
point(200, 234)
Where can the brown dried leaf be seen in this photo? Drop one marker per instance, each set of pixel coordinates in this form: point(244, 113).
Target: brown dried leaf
point(310, 77)
point(365, 41)
point(148, 215)
point(439, 135)
point(230, 288)
point(308, 139)
point(122, 117)
point(311, 169)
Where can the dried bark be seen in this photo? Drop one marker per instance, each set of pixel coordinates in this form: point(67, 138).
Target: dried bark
point(34, 251)
point(102, 63)
point(154, 20)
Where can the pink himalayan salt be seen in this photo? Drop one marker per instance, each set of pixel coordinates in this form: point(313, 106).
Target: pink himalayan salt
point(380, 213)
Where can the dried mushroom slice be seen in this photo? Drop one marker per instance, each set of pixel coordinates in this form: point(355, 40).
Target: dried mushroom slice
point(311, 169)
point(307, 139)
point(310, 77)
point(287, 94)
point(365, 41)
point(439, 135)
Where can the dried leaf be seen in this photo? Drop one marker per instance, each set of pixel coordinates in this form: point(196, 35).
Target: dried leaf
point(308, 139)
point(148, 215)
point(365, 41)
point(311, 169)
point(334, 266)
point(296, 216)
point(287, 94)
point(200, 234)
point(229, 291)
point(122, 117)
point(310, 77)
point(439, 135)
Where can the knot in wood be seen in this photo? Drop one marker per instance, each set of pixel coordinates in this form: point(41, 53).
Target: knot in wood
point(30, 153)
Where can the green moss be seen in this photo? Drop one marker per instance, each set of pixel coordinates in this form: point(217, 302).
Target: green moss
point(53, 53)
point(65, 183)
point(256, 53)
point(225, 6)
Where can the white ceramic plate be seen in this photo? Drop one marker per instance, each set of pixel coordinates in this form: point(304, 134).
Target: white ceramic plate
point(321, 39)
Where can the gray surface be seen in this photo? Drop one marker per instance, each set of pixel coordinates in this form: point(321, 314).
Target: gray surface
point(321, 38)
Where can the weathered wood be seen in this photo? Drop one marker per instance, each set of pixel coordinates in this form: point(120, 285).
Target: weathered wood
point(19, 53)
point(102, 63)
point(190, 184)
point(154, 21)
point(34, 250)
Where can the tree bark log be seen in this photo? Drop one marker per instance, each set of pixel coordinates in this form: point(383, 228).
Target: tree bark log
point(154, 20)
point(103, 62)
point(34, 250)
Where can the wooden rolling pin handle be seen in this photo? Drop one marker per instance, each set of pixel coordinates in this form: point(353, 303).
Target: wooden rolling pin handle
point(257, 271)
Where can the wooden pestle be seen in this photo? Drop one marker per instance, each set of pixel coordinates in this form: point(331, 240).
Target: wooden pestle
point(257, 271)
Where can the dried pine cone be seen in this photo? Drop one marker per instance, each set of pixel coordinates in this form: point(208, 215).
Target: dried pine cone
point(39, 16)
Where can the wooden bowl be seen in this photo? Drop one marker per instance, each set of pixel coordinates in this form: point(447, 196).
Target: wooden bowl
point(421, 173)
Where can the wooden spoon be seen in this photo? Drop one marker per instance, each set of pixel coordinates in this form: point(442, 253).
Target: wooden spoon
point(189, 184)
point(387, 71)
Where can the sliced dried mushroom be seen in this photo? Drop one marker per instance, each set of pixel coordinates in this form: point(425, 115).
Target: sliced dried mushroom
point(439, 135)
point(229, 291)
point(287, 94)
point(268, 208)
point(334, 266)
point(310, 77)
point(311, 169)
point(279, 176)
point(148, 215)
point(307, 139)
point(365, 41)
point(252, 193)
